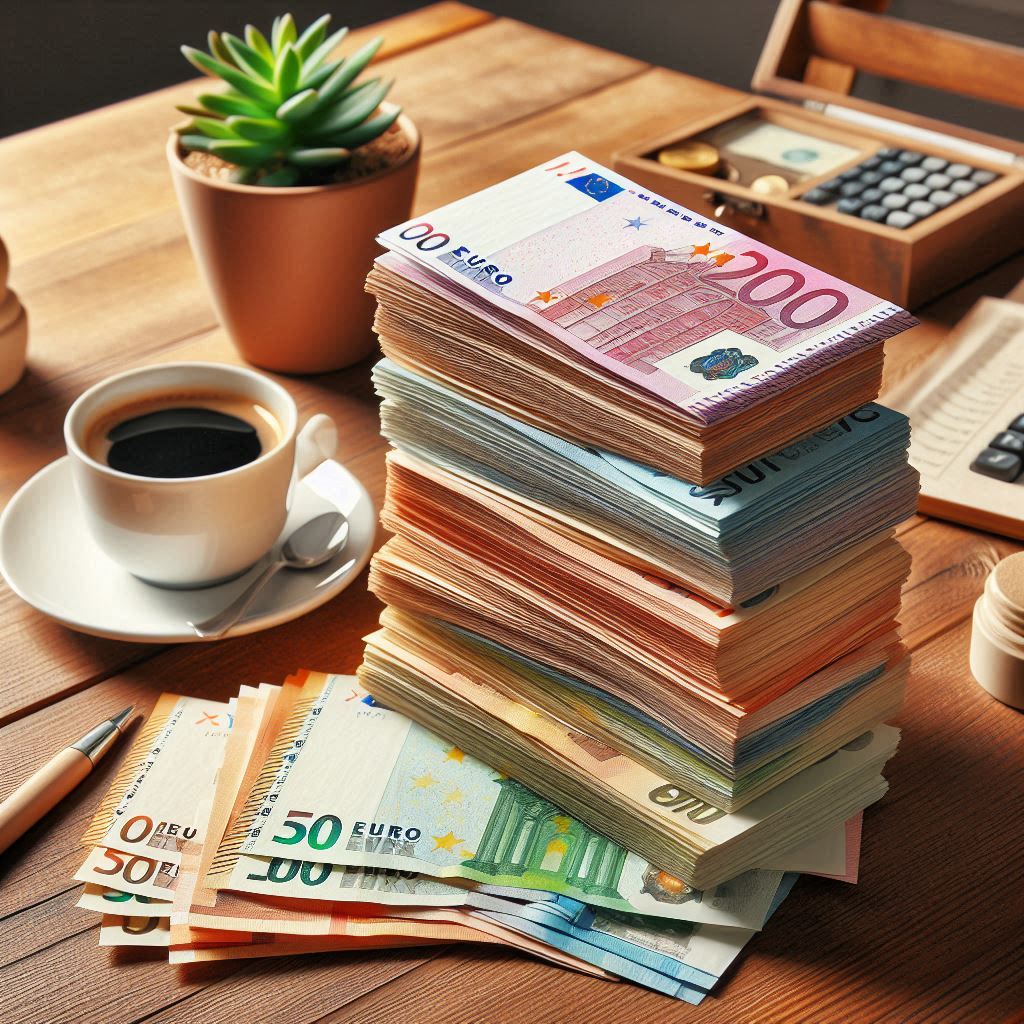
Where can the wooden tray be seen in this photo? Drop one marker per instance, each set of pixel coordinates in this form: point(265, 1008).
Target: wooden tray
point(812, 54)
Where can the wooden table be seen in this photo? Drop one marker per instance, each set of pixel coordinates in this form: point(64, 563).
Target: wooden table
point(932, 932)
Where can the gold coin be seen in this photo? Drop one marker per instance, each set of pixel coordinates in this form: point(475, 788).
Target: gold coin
point(698, 157)
point(770, 185)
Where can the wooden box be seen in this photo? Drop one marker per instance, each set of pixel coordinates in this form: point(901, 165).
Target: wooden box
point(813, 53)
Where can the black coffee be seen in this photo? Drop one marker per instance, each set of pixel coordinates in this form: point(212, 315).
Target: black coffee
point(182, 442)
point(174, 437)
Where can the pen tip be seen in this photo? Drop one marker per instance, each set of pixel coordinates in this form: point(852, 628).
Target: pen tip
point(120, 719)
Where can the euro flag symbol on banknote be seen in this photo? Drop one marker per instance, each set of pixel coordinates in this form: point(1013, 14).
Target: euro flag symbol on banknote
point(595, 186)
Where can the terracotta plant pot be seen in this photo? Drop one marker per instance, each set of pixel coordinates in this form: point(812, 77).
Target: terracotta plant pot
point(13, 330)
point(285, 266)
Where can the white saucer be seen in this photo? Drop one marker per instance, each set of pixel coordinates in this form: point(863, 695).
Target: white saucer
point(49, 559)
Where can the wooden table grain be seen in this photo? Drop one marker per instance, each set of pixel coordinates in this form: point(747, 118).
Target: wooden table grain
point(933, 930)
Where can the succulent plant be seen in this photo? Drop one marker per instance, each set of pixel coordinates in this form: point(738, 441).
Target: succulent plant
point(290, 116)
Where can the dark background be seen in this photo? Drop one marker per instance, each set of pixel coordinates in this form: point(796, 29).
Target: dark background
point(60, 57)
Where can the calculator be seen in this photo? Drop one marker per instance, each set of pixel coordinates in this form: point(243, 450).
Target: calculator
point(966, 409)
point(899, 187)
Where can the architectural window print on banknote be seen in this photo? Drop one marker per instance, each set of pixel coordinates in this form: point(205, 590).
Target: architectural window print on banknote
point(646, 306)
point(650, 306)
point(527, 837)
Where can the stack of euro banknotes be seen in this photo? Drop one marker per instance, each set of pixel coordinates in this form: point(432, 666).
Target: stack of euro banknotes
point(643, 505)
point(640, 637)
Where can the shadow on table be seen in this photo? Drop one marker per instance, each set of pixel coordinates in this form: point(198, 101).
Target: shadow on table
point(928, 910)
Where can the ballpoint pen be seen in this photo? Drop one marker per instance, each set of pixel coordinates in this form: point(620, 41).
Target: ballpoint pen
point(48, 786)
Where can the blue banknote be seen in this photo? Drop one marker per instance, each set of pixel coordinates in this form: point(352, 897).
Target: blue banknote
point(732, 539)
point(677, 959)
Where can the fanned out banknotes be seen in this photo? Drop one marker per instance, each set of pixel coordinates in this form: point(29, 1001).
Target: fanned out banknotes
point(181, 787)
point(573, 299)
point(643, 506)
point(305, 818)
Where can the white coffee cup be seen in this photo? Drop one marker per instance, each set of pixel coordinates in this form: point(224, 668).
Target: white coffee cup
point(202, 530)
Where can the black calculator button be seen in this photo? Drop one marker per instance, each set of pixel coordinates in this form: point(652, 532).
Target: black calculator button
point(895, 201)
point(891, 167)
point(958, 171)
point(913, 174)
point(980, 177)
point(910, 157)
point(832, 185)
point(920, 208)
point(851, 189)
point(850, 175)
point(887, 152)
point(937, 181)
point(1008, 441)
point(934, 163)
point(891, 184)
point(1017, 424)
point(871, 163)
point(1000, 465)
point(900, 219)
point(872, 195)
point(874, 212)
point(818, 196)
point(963, 188)
point(871, 177)
point(942, 198)
point(917, 191)
point(849, 205)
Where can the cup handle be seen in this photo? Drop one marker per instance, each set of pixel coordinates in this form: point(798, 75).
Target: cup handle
point(316, 442)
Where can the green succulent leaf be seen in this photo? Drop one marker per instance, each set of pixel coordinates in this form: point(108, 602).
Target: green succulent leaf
point(211, 127)
point(323, 157)
point(226, 105)
point(240, 81)
point(283, 33)
point(200, 142)
point(281, 178)
point(367, 131)
point(313, 36)
point(325, 110)
point(247, 59)
point(287, 71)
point(318, 77)
point(193, 111)
point(258, 129)
point(258, 41)
point(217, 47)
point(244, 152)
point(356, 107)
point(349, 70)
point(323, 51)
point(244, 175)
point(300, 106)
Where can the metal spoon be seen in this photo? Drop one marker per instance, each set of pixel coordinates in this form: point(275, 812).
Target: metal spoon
point(312, 544)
